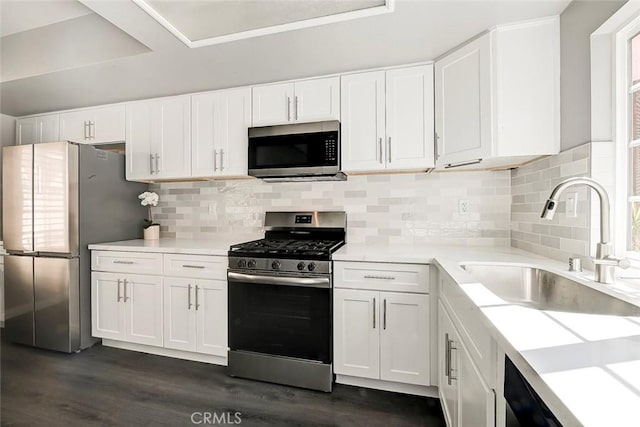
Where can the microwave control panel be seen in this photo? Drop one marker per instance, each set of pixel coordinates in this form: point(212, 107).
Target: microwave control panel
point(331, 149)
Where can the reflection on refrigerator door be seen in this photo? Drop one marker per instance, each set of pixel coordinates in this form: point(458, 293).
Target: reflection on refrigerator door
point(17, 198)
point(18, 278)
point(57, 322)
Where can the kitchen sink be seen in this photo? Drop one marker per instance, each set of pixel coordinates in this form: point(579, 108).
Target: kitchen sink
point(544, 290)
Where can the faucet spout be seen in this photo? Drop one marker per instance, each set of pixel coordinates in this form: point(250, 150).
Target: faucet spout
point(605, 209)
point(604, 262)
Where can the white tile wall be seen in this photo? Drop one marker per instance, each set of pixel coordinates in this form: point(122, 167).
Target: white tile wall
point(399, 208)
point(531, 186)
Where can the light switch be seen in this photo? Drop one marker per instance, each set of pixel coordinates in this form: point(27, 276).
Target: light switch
point(463, 206)
point(572, 205)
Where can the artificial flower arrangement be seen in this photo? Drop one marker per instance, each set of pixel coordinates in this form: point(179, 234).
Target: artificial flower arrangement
point(149, 199)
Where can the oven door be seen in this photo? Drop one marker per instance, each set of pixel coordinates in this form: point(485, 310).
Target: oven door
point(280, 315)
point(295, 150)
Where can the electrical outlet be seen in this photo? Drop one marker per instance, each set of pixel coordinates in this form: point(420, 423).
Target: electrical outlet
point(463, 206)
point(571, 209)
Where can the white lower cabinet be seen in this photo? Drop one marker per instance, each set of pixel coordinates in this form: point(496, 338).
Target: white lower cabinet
point(466, 398)
point(195, 315)
point(381, 335)
point(127, 307)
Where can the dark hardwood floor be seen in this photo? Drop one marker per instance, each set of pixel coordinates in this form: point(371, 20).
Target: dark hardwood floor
point(105, 386)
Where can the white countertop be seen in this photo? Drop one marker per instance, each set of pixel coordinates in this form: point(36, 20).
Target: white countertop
point(585, 367)
point(219, 246)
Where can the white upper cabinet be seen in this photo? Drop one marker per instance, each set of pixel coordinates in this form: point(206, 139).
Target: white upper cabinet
point(94, 125)
point(158, 144)
point(34, 130)
point(387, 120)
point(497, 98)
point(301, 101)
point(220, 123)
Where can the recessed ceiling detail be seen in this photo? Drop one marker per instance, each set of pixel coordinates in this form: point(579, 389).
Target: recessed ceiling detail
point(203, 23)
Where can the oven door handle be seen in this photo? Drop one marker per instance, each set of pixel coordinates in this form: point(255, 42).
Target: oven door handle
point(310, 282)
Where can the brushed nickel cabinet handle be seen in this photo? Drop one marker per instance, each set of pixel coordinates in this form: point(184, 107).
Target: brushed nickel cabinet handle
point(151, 163)
point(119, 297)
point(295, 106)
point(369, 276)
point(288, 109)
point(384, 315)
point(374, 313)
point(189, 298)
point(447, 358)
point(86, 126)
point(193, 266)
point(124, 285)
point(197, 305)
point(380, 150)
point(157, 167)
point(92, 130)
point(123, 262)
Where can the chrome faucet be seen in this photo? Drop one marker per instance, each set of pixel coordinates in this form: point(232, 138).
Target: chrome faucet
point(605, 261)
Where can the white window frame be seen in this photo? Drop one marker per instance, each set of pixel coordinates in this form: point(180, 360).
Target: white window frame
point(623, 109)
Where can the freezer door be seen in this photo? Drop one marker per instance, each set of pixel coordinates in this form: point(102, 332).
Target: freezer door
point(18, 288)
point(55, 198)
point(17, 198)
point(57, 312)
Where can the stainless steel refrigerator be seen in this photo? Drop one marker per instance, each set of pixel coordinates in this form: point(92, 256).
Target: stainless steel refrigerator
point(57, 199)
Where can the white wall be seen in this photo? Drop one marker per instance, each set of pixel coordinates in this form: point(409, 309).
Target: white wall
point(577, 22)
point(7, 137)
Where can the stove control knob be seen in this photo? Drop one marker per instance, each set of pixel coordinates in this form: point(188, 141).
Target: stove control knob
point(301, 266)
point(251, 263)
point(242, 263)
point(311, 266)
point(275, 265)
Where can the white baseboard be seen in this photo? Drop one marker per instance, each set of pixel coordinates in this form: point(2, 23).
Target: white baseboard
point(417, 390)
point(168, 352)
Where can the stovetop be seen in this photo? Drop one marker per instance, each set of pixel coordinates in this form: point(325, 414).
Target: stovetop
point(287, 248)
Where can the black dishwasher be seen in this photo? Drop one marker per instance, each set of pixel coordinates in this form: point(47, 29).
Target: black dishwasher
point(524, 407)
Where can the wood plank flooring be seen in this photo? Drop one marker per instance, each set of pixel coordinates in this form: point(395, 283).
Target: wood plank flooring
point(111, 387)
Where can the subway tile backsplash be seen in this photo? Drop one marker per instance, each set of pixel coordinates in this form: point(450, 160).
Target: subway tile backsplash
point(399, 208)
point(531, 185)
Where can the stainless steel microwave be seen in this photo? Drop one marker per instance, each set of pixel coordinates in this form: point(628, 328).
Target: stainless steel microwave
point(303, 151)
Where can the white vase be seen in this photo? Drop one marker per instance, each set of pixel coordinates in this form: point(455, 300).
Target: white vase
point(152, 232)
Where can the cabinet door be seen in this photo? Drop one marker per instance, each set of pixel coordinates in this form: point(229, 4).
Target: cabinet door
point(179, 314)
point(74, 126)
point(272, 104)
point(211, 314)
point(447, 362)
point(476, 399)
point(139, 158)
point(219, 133)
point(356, 336)
point(362, 100)
point(404, 338)
point(48, 128)
point(317, 100)
point(107, 306)
point(143, 309)
point(463, 103)
point(171, 130)
point(409, 118)
point(107, 124)
point(26, 131)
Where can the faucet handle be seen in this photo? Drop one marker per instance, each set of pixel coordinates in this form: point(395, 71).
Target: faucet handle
point(616, 262)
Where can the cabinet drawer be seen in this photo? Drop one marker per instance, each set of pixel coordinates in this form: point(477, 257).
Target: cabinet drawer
point(127, 262)
point(380, 276)
point(198, 266)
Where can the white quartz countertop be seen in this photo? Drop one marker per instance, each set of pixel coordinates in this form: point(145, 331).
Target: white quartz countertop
point(585, 367)
point(218, 246)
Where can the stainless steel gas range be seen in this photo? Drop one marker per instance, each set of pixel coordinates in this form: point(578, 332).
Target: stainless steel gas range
point(280, 300)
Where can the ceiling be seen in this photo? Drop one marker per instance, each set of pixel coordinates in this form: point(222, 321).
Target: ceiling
point(18, 16)
point(145, 60)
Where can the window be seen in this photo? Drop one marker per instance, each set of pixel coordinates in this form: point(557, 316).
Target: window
point(633, 140)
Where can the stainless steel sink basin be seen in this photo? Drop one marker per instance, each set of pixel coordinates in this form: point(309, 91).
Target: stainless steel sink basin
point(544, 290)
